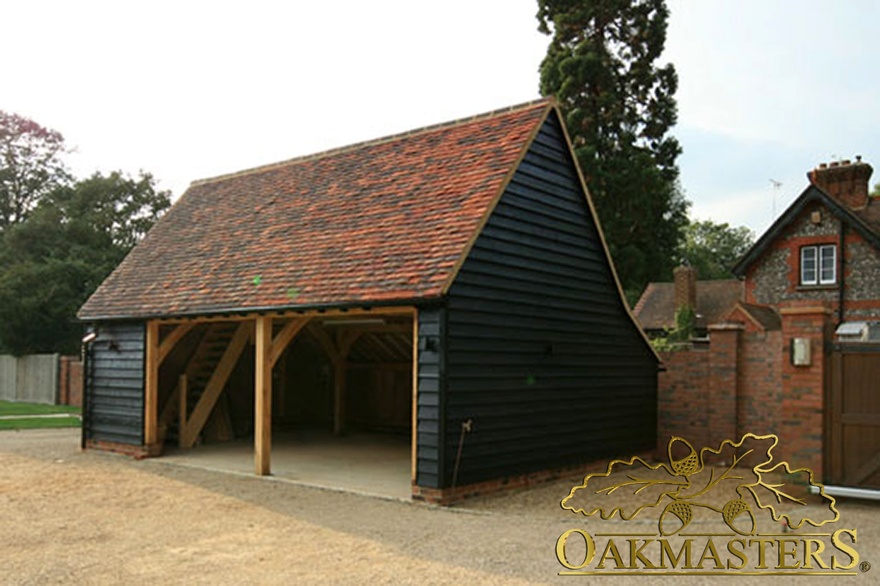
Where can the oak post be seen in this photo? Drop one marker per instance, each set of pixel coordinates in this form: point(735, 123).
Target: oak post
point(339, 395)
point(263, 397)
point(151, 387)
point(183, 395)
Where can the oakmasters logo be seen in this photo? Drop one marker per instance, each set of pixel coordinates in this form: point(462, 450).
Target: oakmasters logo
point(711, 505)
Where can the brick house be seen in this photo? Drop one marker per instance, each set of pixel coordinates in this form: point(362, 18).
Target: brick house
point(774, 363)
point(710, 300)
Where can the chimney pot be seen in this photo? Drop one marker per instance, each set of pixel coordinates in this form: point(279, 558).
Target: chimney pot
point(844, 181)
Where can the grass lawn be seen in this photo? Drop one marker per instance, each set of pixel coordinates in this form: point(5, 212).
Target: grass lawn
point(9, 408)
point(39, 423)
point(12, 408)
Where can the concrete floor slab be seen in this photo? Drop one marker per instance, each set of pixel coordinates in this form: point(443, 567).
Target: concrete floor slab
point(371, 464)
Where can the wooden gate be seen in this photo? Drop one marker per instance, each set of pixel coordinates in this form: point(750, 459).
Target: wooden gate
point(852, 420)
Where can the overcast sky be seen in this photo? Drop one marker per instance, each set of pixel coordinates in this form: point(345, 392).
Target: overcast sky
point(188, 90)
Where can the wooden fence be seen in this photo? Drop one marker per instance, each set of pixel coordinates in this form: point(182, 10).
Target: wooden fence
point(41, 378)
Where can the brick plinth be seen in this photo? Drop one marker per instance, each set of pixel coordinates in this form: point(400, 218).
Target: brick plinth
point(137, 452)
point(446, 496)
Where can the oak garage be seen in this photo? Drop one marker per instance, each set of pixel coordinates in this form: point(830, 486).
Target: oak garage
point(447, 283)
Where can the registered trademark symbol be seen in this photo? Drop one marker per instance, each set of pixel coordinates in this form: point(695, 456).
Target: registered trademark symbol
point(865, 566)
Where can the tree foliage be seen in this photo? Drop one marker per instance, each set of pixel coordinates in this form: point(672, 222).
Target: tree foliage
point(56, 254)
point(713, 248)
point(30, 166)
point(619, 106)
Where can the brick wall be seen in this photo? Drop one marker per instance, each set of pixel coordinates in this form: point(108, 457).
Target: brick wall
point(683, 394)
point(759, 391)
point(743, 382)
point(720, 390)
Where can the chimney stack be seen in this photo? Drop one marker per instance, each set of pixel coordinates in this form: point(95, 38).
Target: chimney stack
point(685, 279)
point(845, 181)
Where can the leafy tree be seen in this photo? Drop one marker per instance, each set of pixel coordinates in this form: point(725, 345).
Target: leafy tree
point(679, 336)
point(618, 106)
point(714, 248)
point(60, 254)
point(30, 166)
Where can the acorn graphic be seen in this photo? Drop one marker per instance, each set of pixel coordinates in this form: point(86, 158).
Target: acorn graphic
point(733, 510)
point(688, 465)
point(681, 511)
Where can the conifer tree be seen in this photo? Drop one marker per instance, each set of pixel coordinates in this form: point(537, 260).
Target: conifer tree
point(619, 106)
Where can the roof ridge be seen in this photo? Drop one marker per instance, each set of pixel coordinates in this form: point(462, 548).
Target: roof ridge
point(548, 101)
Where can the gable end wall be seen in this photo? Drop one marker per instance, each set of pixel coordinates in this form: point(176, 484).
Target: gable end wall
point(542, 356)
point(774, 278)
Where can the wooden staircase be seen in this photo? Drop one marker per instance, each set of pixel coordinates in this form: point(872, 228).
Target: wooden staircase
point(197, 395)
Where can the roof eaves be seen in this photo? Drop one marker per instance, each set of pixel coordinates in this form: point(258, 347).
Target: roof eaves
point(240, 311)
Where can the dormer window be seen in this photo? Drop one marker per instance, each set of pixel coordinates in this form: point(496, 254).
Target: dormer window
point(819, 265)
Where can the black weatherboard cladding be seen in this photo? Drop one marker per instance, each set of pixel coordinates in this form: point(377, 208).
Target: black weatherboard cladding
point(429, 409)
point(115, 385)
point(541, 353)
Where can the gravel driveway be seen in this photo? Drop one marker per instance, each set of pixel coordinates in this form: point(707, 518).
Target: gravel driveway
point(96, 518)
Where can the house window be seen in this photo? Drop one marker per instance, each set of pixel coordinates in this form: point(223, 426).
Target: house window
point(819, 265)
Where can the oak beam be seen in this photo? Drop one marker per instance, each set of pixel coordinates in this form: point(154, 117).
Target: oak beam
point(215, 385)
point(263, 397)
point(286, 314)
point(151, 387)
point(284, 337)
point(172, 339)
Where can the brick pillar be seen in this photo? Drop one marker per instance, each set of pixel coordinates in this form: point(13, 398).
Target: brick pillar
point(803, 388)
point(75, 383)
point(723, 376)
point(64, 380)
point(685, 287)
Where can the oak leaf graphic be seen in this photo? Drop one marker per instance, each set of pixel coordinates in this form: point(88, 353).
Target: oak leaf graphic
point(786, 494)
point(740, 474)
point(645, 485)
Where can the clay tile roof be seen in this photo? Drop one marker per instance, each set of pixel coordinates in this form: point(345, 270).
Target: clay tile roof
point(763, 315)
point(379, 222)
point(655, 309)
point(870, 215)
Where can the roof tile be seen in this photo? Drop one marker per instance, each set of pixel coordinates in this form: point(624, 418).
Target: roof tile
point(386, 220)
